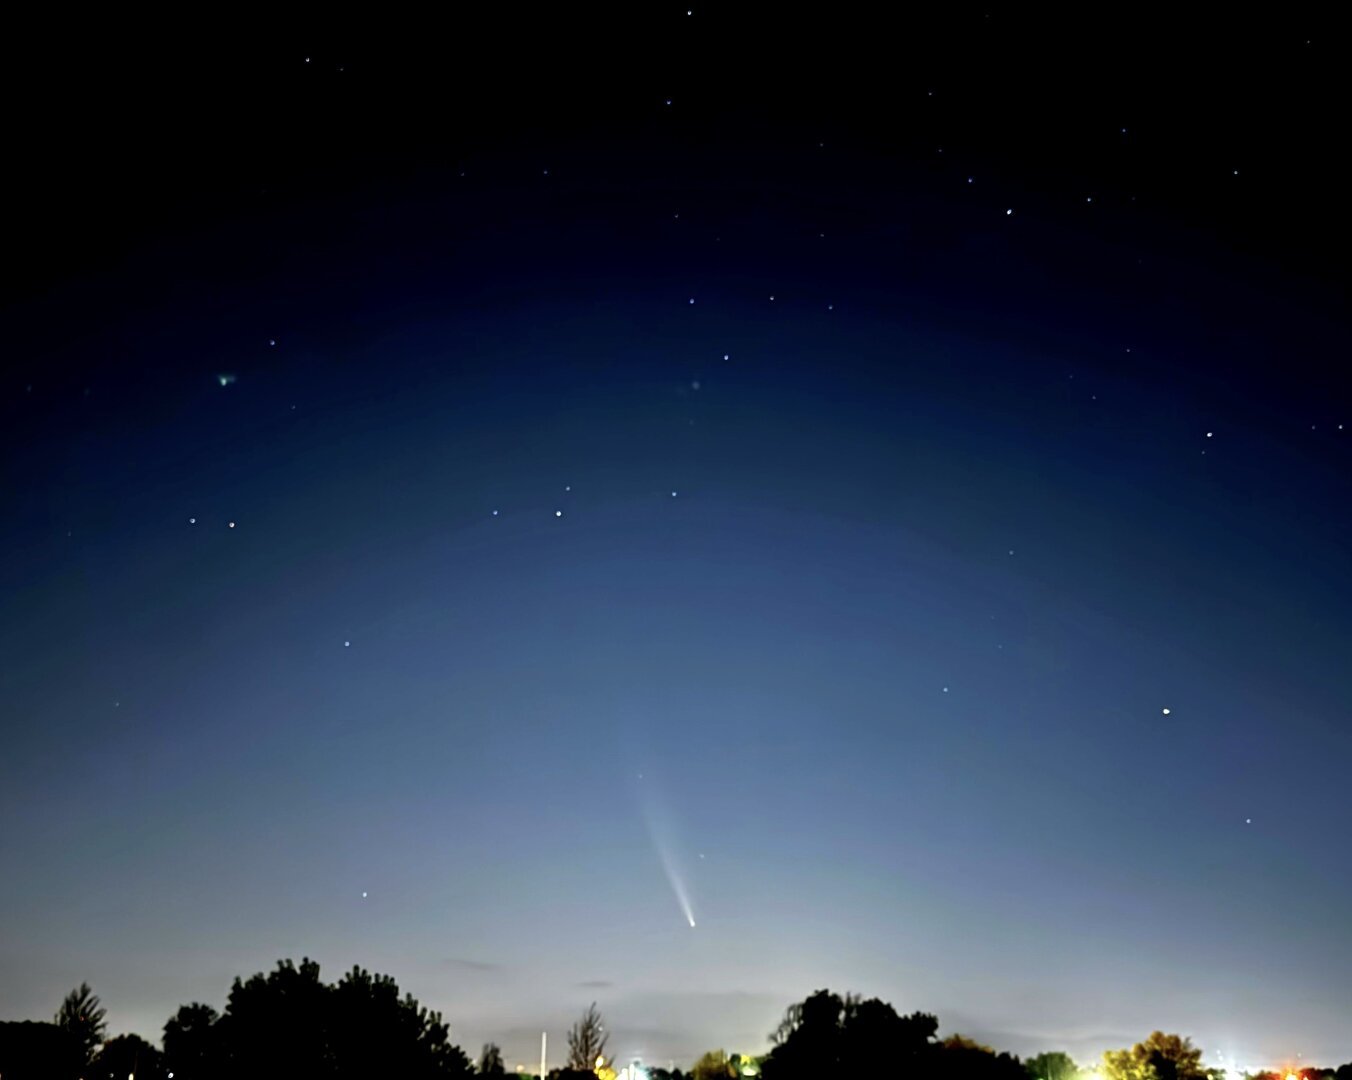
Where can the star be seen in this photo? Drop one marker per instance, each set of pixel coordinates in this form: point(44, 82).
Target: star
point(673, 494)
point(363, 896)
point(272, 341)
point(1009, 211)
point(1248, 821)
point(692, 299)
point(192, 521)
point(558, 513)
point(1165, 711)
point(232, 524)
point(945, 689)
point(725, 356)
point(694, 385)
point(495, 513)
point(1208, 434)
point(347, 644)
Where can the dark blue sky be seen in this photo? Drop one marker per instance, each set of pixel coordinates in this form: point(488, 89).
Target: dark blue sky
point(956, 600)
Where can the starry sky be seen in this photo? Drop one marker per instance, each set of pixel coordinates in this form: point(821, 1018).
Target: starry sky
point(473, 489)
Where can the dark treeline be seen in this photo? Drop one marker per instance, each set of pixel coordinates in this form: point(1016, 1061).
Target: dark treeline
point(289, 1023)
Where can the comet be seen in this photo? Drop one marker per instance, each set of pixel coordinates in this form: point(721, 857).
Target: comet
point(660, 834)
point(677, 885)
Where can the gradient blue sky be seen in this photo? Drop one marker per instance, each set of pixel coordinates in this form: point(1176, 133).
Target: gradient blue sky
point(949, 533)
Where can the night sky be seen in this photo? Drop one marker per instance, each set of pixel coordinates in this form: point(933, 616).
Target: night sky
point(473, 488)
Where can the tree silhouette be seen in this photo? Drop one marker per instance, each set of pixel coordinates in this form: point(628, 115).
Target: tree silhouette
point(290, 1024)
point(1054, 1065)
point(374, 1032)
point(587, 1041)
point(81, 1014)
point(490, 1061)
point(714, 1065)
point(829, 1036)
point(968, 1059)
point(808, 1040)
point(274, 1025)
point(35, 1051)
point(127, 1055)
point(192, 1044)
point(873, 1032)
point(1159, 1057)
